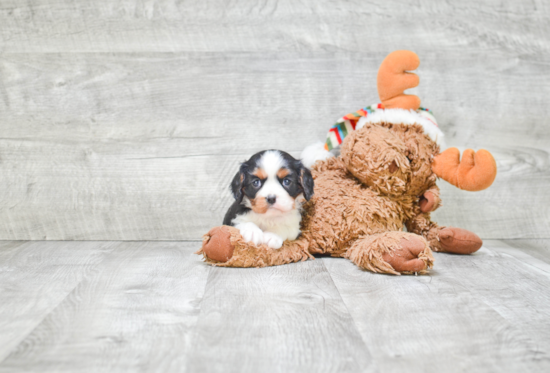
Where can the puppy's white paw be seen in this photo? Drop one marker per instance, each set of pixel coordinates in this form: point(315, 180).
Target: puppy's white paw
point(272, 240)
point(251, 233)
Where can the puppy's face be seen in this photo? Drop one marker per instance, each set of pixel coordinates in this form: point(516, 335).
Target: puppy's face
point(272, 182)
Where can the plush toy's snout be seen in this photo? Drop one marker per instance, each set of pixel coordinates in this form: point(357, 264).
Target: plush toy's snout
point(376, 156)
point(475, 172)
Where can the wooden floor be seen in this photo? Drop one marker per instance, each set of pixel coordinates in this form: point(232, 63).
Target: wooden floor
point(155, 306)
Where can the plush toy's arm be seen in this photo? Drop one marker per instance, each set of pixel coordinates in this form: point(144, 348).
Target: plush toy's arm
point(389, 252)
point(421, 223)
point(430, 200)
point(224, 247)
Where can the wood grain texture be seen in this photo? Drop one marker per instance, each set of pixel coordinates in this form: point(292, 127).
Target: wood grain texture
point(134, 312)
point(484, 312)
point(283, 25)
point(125, 120)
point(538, 249)
point(154, 306)
point(281, 319)
point(35, 277)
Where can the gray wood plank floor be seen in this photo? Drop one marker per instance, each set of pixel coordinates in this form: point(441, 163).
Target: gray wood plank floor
point(154, 306)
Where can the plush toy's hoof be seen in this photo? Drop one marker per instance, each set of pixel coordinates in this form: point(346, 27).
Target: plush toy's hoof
point(217, 246)
point(459, 241)
point(406, 260)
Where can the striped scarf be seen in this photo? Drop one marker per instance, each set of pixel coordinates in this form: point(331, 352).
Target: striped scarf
point(347, 123)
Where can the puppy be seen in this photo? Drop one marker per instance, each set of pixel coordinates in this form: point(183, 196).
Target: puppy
point(269, 190)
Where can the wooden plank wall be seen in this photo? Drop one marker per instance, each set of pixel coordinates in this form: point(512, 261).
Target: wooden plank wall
point(125, 120)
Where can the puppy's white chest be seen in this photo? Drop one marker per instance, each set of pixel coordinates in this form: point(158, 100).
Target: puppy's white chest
point(286, 226)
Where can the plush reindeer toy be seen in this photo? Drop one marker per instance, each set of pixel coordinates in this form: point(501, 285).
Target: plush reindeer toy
point(384, 179)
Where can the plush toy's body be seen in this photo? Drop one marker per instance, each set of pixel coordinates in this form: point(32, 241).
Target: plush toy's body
point(383, 180)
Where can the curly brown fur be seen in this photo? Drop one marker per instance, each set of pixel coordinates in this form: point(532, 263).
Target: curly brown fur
point(343, 209)
point(361, 203)
point(369, 252)
point(423, 226)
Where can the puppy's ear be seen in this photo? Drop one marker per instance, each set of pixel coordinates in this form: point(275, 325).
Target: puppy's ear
point(237, 184)
point(306, 181)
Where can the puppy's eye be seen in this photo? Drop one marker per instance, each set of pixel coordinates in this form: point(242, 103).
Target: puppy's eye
point(287, 182)
point(256, 183)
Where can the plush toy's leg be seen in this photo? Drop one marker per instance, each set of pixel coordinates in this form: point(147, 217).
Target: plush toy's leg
point(224, 246)
point(444, 239)
point(392, 252)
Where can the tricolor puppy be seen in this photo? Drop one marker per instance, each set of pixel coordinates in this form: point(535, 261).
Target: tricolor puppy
point(269, 190)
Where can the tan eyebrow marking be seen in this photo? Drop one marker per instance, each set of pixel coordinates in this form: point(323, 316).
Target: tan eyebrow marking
point(282, 173)
point(260, 173)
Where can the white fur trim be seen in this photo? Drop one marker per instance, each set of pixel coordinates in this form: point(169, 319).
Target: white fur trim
point(401, 116)
point(313, 153)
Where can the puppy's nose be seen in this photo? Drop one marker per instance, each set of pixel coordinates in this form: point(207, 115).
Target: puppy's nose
point(271, 199)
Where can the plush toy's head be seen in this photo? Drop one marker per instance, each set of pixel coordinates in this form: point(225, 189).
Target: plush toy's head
point(393, 159)
point(394, 148)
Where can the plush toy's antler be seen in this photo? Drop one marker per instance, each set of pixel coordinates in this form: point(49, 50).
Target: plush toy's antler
point(475, 172)
point(393, 79)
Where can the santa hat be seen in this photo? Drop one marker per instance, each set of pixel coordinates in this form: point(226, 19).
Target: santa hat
point(377, 114)
point(372, 114)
